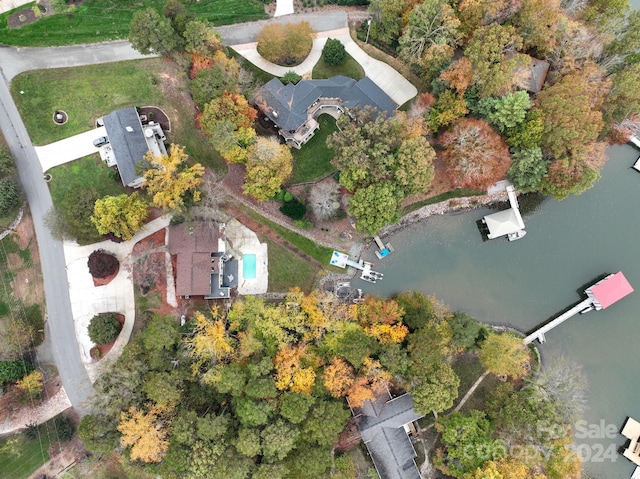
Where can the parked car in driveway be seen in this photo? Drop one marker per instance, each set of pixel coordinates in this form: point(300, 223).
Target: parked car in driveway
point(98, 142)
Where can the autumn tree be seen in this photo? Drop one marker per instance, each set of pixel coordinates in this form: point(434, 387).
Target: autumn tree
point(149, 32)
point(447, 109)
point(122, 215)
point(431, 34)
point(504, 355)
point(228, 121)
point(437, 391)
point(536, 22)
point(387, 21)
point(170, 180)
point(477, 13)
point(570, 110)
point(572, 174)
point(291, 375)
point(145, 433)
point(459, 75)
point(287, 44)
point(210, 343)
point(623, 101)
point(222, 74)
point(31, 385)
point(269, 165)
point(506, 468)
point(475, 155)
point(487, 51)
point(338, 377)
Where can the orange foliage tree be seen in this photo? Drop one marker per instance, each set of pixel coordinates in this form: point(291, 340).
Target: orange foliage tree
point(339, 377)
point(475, 155)
point(291, 375)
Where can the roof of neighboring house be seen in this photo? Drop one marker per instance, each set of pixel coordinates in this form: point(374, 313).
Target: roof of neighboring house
point(193, 244)
point(381, 425)
point(127, 141)
point(612, 289)
point(286, 105)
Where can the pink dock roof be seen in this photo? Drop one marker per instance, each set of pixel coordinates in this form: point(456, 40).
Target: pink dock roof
point(612, 289)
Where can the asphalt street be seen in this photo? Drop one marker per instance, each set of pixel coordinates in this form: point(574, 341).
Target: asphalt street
point(60, 330)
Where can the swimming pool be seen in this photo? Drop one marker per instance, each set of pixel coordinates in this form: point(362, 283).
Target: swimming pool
point(249, 266)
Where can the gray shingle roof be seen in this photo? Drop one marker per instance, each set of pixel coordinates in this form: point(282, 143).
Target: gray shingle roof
point(290, 102)
point(381, 426)
point(128, 144)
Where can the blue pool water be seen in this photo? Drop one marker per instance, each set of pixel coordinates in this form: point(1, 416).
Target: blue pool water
point(249, 266)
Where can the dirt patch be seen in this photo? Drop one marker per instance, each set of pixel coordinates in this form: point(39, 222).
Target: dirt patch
point(27, 284)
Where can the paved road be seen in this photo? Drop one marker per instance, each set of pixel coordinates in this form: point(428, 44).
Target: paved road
point(60, 326)
point(247, 32)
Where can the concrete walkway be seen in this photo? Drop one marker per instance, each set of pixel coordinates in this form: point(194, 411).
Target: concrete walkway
point(69, 149)
point(88, 300)
point(283, 7)
point(389, 80)
point(8, 5)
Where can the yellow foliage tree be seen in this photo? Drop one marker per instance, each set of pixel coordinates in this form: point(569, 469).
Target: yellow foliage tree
point(504, 355)
point(339, 377)
point(290, 374)
point(169, 179)
point(388, 333)
point(381, 319)
point(144, 433)
point(269, 164)
point(31, 384)
point(211, 342)
point(122, 215)
point(505, 468)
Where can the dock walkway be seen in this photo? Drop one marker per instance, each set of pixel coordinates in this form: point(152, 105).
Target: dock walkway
point(539, 333)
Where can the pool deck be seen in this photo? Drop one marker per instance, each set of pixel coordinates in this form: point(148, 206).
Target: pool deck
point(242, 241)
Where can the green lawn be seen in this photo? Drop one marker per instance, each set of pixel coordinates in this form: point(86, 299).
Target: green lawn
point(287, 269)
point(349, 68)
point(87, 93)
point(87, 172)
point(313, 160)
point(20, 457)
point(102, 20)
point(304, 244)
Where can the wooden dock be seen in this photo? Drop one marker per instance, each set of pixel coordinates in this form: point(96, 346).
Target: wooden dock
point(540, 332)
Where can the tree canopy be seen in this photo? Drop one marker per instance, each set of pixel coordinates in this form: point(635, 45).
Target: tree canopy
point(122, 215)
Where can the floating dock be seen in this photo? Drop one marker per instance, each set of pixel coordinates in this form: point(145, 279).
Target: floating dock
point(599, 296)
point(341, 260)
point(384, 250)
point(636, 165)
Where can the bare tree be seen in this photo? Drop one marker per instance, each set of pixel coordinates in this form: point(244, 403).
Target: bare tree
point(563, 383)
point(571, 7)
point(325, 199)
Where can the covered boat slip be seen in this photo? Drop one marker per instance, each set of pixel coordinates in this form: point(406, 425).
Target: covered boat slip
point(504, 223)
point(631, 431)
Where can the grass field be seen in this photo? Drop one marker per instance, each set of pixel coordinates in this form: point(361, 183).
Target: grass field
point(21, 456)
point(287, 269)
point(349, 68)
point(102, 20)
point(87, 93)
point(84, 93)
point(313, 160)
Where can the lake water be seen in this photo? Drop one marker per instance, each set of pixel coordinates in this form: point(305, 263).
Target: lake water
point(523, 283)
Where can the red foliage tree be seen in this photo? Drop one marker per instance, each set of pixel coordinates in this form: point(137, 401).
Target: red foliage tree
point(102, 264)
point(475, 155)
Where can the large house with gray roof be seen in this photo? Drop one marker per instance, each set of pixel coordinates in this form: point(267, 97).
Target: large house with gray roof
point(129, 142)
point(384, 426)
point(294, 108)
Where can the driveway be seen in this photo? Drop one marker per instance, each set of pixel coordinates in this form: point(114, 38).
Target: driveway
point(399, 89)
point(69, 149)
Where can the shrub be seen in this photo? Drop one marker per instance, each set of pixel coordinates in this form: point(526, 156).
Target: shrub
point(102, 264)
point(64, 427)
point(291, 77)
point(9, 195)
point(293, 209)
point(287, 44)
point(13, 370)
point(333, 52)
point(104, 328)
point(288, 197)
point(95, 353)
point(303, 224)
